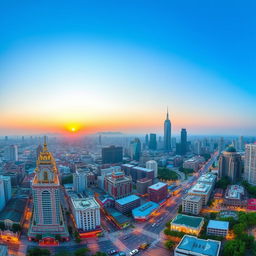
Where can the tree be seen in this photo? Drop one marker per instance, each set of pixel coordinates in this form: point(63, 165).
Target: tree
point(100, 254)
point(37, 251)
point(239, 229)
point(81, 252)
point(223, 183)
point(62, 253)
point(234, 248)
point(169, 244)
point(213, 215)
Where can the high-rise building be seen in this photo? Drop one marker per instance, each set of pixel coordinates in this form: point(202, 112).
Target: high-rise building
point(80, 180)
point(158, 192)
point(183, 141)
point(11, 153)
point(46, 191)
point(118, 185)
point(146, 139)
point(86, 212)
point(241, 143)
point(167, 133)
point(152, 164)
point(250, 164)
point(135, 149)
point(152, 141)
point(5, 190)
point(112, 155)
point(221, 145)
point(230, 164)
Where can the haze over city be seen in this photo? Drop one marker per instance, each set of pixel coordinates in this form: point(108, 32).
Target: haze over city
point(108, 66)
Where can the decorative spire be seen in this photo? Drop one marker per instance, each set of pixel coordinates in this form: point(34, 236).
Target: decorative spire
point(45, 149)
point(167, 114)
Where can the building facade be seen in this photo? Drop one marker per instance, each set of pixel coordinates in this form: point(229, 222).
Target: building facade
point(86, 212)
point(135, 149)
point(192, 204)
point(183, 141)
point(142, 185)
point(112, 155)
point(152, 145)
point(152, 165)
point(250, 164)
point(203, 190)
point(127, 204)
point(118, 185)
point(80, 180)
point(217, 228)
point(158, 192)
point(167, 133)
point(46, 191)
point(5, 190)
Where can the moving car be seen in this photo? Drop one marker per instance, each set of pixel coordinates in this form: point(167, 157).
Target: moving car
point(133, 252)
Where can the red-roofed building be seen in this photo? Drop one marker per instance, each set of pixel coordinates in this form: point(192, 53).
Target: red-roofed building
point(251, 204)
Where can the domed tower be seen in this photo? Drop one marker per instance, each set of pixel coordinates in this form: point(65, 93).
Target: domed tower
point(46, 190)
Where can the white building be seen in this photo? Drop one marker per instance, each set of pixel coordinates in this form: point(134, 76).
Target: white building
point(80, 180)
point(152, 164)
point(203, 190)
point(217, 228)
point(86, 212)
point(192, 204)
point(250, 164)
point(5, 190)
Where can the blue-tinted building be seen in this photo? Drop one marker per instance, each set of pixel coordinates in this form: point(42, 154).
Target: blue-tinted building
point(144, 211)
point(126, 204)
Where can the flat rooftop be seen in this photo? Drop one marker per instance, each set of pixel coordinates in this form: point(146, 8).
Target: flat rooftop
point(84, 203)
point(217, 224)
point(145, 209)
point(200, 188)
point(208, 177)
point(157, 186)
point(187, 221)
point(127, 199)
point(200, 246)
point(142, 169)
point(192, 198)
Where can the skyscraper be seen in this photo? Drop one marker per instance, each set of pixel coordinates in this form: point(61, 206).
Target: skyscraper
point(250, 164)
point(11, 153)
point(112, 155)
point(152, 141)
point(183, 141)
point(152, 164)
point(46, 190)
point(167, 133)
point(135, 149)
point(80, 180)
point(230, 164)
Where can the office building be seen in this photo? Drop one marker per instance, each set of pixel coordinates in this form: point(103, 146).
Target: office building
point(142, 185)
point(5, 190)
point(118, 185)
point(11, 153)
point(112, 155)
point(217, 228)
point(152, 164)
point(235, 196)
point(203, 190)
point(194, 163)
point(86, 212)
point(193, 246)
point(187, 224)
point(80, 180)
point(192, 204)
point(140, 173)
point(183, 141)
point(135, 149)
point(221, 146)
point(46, 191)
point(158, 192)
point(167, 133)
point(127, 204)
point(230, 165)
point(152, 141)
point(250, 164)
point(208, 178)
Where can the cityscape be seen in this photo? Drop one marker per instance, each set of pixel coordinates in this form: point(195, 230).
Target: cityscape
point(127, 128)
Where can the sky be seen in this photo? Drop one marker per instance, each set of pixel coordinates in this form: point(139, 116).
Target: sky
point(92, 66)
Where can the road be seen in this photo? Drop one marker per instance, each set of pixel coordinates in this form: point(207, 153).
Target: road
point(129, 239)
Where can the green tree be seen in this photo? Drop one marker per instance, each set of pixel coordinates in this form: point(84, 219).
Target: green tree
point(239, 229)
point(62, 253)
point(81, 252)
point(234, 248)
point(223, 183)
point(169, 244)
point(100, 254)
point(37, 251)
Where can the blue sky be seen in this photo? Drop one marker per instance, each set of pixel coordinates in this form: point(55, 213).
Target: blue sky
point(128, 58)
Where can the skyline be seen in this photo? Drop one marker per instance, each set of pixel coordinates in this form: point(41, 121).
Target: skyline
point(105, 67)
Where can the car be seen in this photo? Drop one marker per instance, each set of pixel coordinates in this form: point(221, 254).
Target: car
point(144, 246)
point(153, 224)
point(111, 251)
point(133, 252)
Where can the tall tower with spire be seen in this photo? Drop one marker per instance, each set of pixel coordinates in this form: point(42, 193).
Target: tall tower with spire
point(48, 220)
point(167, 133)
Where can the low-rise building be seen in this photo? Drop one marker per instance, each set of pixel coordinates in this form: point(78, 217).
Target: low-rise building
point(158, 192)
point(203, 190)
point(217, 228)
point(187, 224)
point(193, 246)
point(192, 204)
point(251, 204)
point(208, 178)
point(126, 204)
point(143, 212)
point(86, 212)
point(193, 163)
point(235, 196)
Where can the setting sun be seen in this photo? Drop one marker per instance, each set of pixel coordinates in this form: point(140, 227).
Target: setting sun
point(73, 129)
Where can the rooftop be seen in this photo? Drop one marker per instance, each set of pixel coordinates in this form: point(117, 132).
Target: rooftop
point(200, 246)
point(84, 203)
point(188, 221)
point(145, 209)
point(142, 169)
point(157, 186)
point(192, 198)
point(118, 216)
point(200, 188)
point(208, 177)
point(127, 199)
point(217, 224)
